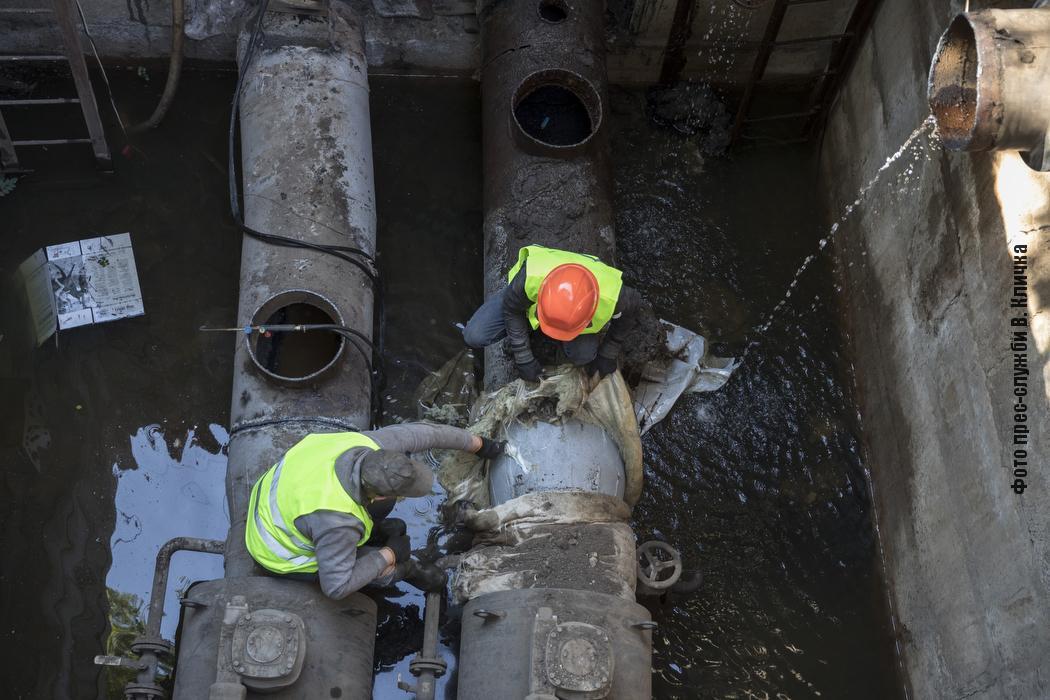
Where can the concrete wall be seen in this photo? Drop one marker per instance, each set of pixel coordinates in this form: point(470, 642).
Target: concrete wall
point(927, 269)
point(445, 44)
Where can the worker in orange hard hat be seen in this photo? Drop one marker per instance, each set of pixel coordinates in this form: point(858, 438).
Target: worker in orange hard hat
point(573, 298)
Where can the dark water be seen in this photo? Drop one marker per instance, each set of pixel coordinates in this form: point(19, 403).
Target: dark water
point(761, 484)
point(113, 440)
point(114, 436)
point(426, 134)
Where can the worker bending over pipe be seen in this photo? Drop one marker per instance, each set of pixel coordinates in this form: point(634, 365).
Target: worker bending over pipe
point(319, 514)
point(570, 298)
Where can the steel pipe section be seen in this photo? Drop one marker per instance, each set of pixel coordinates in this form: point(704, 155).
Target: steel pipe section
point(989, 86)
point(546, 157)
point(306, 154)
point(548, 182)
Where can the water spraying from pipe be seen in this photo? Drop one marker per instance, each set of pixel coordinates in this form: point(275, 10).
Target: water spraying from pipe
point(759, 330)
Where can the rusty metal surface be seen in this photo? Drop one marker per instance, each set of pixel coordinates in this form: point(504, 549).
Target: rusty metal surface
point(989, 85)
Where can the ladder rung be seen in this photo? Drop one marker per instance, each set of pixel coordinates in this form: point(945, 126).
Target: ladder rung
point(24, 10)
point(50, 142)
point(38, 57)
point(43, 101)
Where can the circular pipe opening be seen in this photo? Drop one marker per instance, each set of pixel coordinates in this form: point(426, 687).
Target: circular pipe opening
point(553, 11)
point(298, 356)
point(953, 89)
point(557, 109)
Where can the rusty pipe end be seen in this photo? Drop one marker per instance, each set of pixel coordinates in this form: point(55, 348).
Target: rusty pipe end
point(964, 89)
point(989, 84)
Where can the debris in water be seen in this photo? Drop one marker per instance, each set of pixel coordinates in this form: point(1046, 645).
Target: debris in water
point(693, 109)
point(7, 185)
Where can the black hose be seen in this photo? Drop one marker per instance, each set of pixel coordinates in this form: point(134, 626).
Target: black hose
point(178, 37)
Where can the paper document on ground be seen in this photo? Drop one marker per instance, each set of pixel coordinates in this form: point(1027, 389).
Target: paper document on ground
point(83, 282)
point(689, 370)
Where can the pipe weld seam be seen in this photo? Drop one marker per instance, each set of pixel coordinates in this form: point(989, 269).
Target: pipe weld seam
point(266, 423)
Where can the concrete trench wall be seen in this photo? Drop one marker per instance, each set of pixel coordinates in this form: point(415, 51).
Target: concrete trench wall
point(927, 270)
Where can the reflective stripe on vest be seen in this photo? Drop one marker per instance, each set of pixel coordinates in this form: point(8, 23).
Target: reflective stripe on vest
point(539, 261)
point(303, 482)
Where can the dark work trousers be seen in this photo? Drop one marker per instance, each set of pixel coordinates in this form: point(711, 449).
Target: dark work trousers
point(486, 327)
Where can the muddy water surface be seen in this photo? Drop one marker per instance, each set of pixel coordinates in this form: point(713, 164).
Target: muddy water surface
point(113, 439)
point(761, 485)
point(114, 435)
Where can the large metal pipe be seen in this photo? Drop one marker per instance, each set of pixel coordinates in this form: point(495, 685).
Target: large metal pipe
point(989, 86)
point(548, 182)
point(306, 154)
point(306, 157)
point(546, 157)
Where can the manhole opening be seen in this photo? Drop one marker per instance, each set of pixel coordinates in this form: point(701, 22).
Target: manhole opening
point(557, 108)
point(298, 354)
point(553, 11)
point(953, 84)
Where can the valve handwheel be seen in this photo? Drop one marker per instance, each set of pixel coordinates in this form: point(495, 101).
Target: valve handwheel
point(659, 564)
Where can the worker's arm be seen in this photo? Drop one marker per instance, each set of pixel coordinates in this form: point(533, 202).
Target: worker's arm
point(628, 309)
point(419, 437)
point(342, 567)
point(516, 304)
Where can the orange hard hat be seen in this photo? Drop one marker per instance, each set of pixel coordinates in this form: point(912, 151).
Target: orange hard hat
point(567, 301)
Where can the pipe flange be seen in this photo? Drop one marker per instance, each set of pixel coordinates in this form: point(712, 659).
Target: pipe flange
point(268, 648)
point(143, 691)
point(154, 645)
point(419, 665)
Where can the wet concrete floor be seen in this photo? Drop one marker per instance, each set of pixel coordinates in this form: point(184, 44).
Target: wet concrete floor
point(113, 439)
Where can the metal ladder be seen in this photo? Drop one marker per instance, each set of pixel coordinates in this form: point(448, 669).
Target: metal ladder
point(74, 55)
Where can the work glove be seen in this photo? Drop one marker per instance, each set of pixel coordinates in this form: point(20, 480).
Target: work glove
point(401, 546)
point(426, 577)
point(531, 371)
point(604, 366)
point(490, 449)
point(387, 528)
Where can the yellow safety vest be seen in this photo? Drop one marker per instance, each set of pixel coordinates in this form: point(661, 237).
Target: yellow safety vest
point(304, 481)
point(539, 261)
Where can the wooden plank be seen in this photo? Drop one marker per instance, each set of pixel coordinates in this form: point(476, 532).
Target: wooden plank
point(758, 70)
point(8, 157)
point(75, 53)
